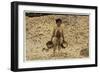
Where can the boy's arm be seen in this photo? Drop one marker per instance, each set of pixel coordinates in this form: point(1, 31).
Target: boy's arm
point(53, 34)
point(63, 36)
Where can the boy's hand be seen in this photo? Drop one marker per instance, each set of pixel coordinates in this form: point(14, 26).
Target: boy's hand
point(51, 39)
point(63, 40)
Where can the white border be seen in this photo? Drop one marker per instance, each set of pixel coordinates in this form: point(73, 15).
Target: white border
point(48, 63)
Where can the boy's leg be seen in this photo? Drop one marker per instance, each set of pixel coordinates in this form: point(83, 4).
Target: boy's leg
point(59, 43)
point(54, 51)
point(55, 45)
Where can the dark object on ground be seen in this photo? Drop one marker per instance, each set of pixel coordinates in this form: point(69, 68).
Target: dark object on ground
point(44, 49)
point(84, 52)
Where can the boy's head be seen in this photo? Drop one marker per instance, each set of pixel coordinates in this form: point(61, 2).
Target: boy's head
point(58, 22)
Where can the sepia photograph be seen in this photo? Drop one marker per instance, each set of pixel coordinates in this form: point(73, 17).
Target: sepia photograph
point(56, 36)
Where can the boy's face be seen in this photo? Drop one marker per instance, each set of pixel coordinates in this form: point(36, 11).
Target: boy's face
point(58, 23)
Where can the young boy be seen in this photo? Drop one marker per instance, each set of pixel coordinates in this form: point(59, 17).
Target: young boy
point(58, 36)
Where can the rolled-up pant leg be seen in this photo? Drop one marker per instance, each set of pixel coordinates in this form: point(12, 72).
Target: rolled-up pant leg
point(55, 44)
point(60, 41)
